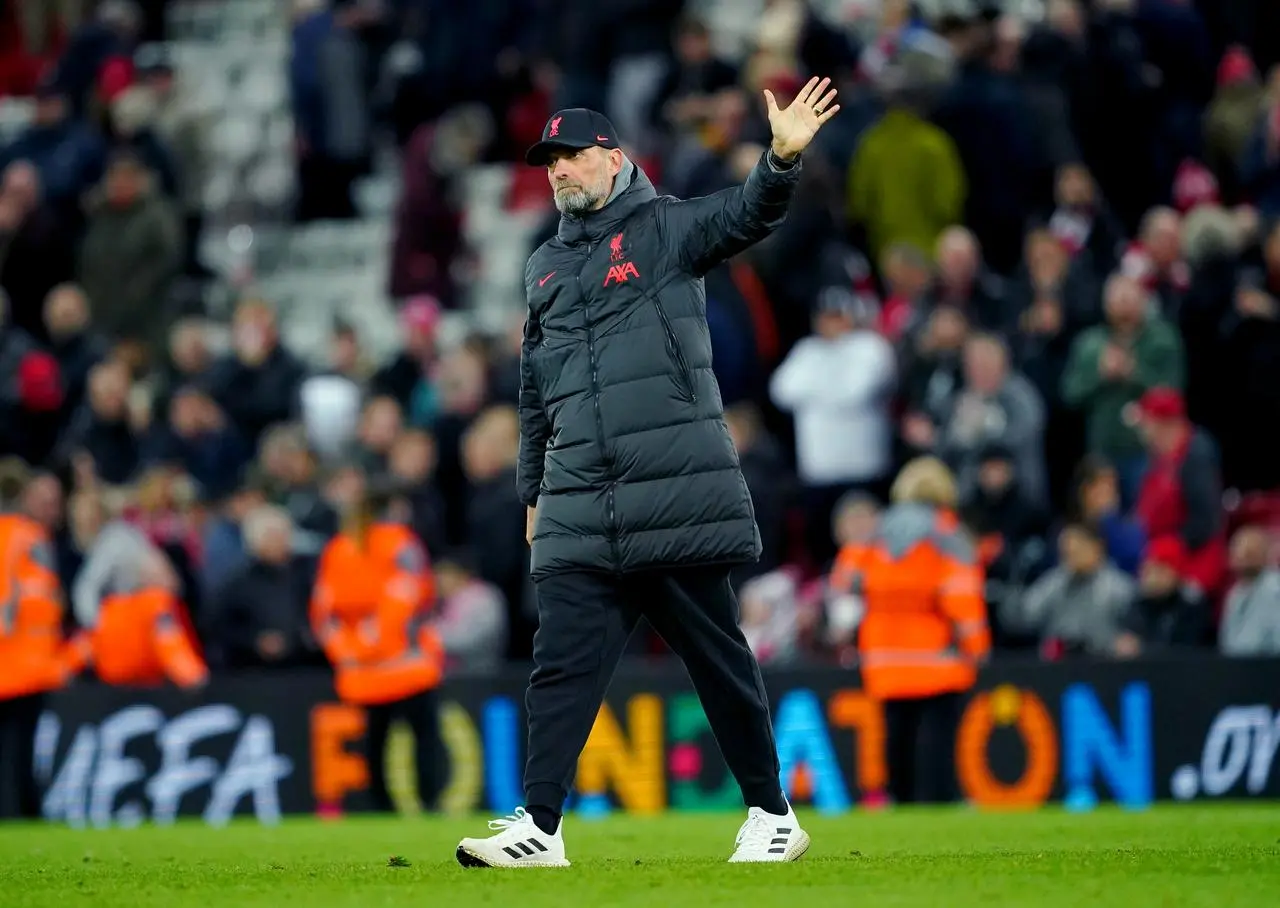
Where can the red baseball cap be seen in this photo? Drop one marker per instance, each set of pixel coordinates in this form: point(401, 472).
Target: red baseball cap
point(1167, 550)
point(1162, 403)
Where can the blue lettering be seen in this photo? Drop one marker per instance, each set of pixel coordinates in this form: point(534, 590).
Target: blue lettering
point(802, 738)
point(1090, 743)
point(502, 774)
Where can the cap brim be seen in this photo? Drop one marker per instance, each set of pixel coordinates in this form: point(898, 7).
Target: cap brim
point(538, 155)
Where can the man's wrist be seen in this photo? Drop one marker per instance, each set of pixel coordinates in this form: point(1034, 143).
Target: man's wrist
point(780, 161)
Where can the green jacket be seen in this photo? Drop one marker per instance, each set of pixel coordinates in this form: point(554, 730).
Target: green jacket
point(906, 183)
point(1159, 361)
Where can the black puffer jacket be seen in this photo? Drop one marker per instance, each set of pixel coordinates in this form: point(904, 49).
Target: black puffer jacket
point(623, 445)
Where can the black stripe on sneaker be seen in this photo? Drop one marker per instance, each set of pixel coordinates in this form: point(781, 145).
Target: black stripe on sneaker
point(781, 840)
point(525, 848)
point(777, 851)
point(511, 851)
point(538, 845)
point(783, 830)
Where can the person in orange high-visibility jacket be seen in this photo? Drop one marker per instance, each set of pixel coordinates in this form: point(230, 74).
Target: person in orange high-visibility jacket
point(923, 631)
point(141, 637)
point(30, 653)
point(370, 610)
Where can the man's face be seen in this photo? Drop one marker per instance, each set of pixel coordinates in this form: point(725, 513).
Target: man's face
point(124, 184)
point(1158, 578)
point(984, 367)
point(66, 313)
point(581, 179)
point(1249, 552)
point(1080, 553)
point(1125, 305)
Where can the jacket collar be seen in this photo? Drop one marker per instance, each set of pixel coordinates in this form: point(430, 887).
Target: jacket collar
point(632, 189)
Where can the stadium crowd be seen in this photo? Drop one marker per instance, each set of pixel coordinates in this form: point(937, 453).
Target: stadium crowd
point(1044, 250)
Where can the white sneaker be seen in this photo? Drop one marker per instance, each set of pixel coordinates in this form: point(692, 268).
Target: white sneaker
point(767, 837)
point(518, 842)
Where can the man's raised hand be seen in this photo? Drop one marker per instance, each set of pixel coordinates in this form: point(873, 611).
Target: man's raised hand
point(795, 125)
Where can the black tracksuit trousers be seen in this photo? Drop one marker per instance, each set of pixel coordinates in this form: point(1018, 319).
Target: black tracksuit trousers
point(584, 622)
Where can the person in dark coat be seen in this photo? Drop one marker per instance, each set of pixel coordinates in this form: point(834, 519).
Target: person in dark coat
point(636, 501)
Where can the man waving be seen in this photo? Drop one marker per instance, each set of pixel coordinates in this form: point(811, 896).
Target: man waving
point(636, 503)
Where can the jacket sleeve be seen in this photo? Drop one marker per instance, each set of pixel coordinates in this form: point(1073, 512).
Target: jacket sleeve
point(1162, 362)
point(1081, 380)
point(535, 427)
point(706, 231)
point(1202, 493)
point(960, 599)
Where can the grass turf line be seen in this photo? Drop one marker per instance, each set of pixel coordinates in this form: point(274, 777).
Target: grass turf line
point(1179, 855)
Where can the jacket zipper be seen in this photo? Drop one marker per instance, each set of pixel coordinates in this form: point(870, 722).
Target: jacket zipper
point(677, 353)
point(611, 528)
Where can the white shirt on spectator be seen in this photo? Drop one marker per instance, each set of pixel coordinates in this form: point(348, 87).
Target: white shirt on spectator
point(839, 392)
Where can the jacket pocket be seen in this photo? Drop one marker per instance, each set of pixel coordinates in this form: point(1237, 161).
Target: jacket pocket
point(684, 375)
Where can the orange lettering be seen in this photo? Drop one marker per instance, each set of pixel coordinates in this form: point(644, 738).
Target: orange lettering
point(335, 771)
point(1022, 709)
point(855, 710)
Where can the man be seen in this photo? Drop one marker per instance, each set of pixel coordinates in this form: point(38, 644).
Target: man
point(636, 503)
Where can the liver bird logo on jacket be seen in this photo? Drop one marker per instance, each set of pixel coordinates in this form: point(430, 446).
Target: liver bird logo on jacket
point(615, 248)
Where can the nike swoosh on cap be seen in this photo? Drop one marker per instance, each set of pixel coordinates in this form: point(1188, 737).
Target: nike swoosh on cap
point(602, 138)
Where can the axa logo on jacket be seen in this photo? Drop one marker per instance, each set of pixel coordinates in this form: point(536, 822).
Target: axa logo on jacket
point(622, 272)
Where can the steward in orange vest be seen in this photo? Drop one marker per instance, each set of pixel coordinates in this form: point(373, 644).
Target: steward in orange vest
point(923, 631)
point(140, 638)
point(30, 644)
point(370, 609)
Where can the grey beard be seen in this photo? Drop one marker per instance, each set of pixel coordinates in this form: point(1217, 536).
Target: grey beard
point(576, 202)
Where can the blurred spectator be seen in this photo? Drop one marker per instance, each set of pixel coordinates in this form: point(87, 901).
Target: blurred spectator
point(36, 248)
point(495, 529)
point(133, 113)
point(65, 150)
point(114, 552)
point(1097, 502)
point(131, 254)
point(1169, 613)
point(770, 617)
point(1181, 492)
point(330, 401)
point(109, 37)
point(381, 423)
point(293, 480)
point(198, 438)
point(409, 378)
point(932, 378)
point(992, 127)
point(254, 618)
point(1078, 606)
point(185, 131)
point(257, 384)
point(428, 223)
point(30, 392)
point(770, 482)
point(1155, 260)
point(906, 182)
point(331, 111)
point(1251, 618)
point(1008, 522)
point(684, 102)
point(189, 361)
point(962, 280)
point(838, 382)
point(101, 429)
point(1111, 365)
point(1260, 168)
point(1083, 222)
point(412, 464)
point(996, 406)
point(471, 618)
point(222, 538)
point(73, 342)
point(906, 271)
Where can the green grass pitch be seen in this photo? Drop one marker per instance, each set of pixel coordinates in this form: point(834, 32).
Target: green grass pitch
point(1220, 855)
